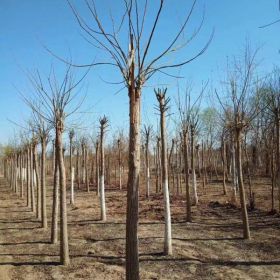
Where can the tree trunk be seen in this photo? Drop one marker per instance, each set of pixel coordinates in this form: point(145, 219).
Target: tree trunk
point(54, 230)
point(147, 169)
point(33, 207)
point(132, 215)
point(223, 154)
point(28, 179)
point(246, 230)
point(194, 184)
point(186, 160)
point(97, 167)
point(167, 214)
point(64, 249)
point(101, 177)
point(43, 184)
point(36, 168)
point(72, 172)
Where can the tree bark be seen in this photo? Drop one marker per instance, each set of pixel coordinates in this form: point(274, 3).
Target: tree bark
point(43, 184)
point(186, 161)
point(246, 230)
point(64, 248)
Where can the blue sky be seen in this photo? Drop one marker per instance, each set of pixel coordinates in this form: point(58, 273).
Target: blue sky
point(26, 25)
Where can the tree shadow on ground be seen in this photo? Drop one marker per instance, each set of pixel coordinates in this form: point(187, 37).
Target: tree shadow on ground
point(48, 263)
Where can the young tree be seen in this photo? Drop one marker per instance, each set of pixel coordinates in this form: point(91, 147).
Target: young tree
point(147, 135)
point(72, 168)
point(136, 65)
point(103, 126)
point(54, 99)
point(239, 114)
point(163, 107)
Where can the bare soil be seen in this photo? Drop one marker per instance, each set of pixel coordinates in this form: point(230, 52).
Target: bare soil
point(211, 247)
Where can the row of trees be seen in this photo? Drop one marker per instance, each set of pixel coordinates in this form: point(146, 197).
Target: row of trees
point(248, 110)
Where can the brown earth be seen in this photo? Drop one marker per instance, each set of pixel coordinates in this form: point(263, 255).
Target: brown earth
point(210, 247)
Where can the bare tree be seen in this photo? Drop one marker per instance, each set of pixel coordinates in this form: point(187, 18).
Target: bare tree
point(239, 114)
point(147, 134)
point(103, 125)
point(54, 99)
point(72, 168)
point(163, 107)
point(136, 67)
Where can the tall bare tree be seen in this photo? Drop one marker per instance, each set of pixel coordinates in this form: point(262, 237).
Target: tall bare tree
point(163, 107)
point(136, 65)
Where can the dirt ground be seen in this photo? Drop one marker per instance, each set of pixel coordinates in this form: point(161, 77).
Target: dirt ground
point(210, 247)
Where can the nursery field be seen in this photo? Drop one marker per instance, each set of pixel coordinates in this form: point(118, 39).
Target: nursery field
point(211, 247)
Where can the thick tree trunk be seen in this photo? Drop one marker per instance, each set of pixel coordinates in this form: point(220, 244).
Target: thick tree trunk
point(132, 215)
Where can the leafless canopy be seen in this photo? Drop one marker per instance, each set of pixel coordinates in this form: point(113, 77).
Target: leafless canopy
point(133, 23)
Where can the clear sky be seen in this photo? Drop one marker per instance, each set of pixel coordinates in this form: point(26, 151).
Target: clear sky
point(27, 24)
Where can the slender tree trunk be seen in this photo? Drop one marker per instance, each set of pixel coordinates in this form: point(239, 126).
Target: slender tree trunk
point(43, 183)
point(120, 164)
point(167, 214)
point(64, 249)
point(97, 167)
point(36, 168)
point(72, 172)
point(223, 154)
point(147, 169)
point(102, 179)
point(28, 179)
point(54, 230)
point(21, 175)
point(186, 160)
point(33, 206)
point(246, 230)
point(86, 168)
point(278, 156)
point(194, 184)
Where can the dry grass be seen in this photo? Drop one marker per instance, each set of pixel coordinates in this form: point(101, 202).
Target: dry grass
point(210, 247)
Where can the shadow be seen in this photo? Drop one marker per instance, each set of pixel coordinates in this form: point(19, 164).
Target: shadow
point(30, 263)
point(111, 260)
point(97, 221)
point(209, 239)
point(155, 254)
point(25, 242)
point(27, 255)
point(15, 211)
point(19, 228)
point(210, 262)
point(103, 240)
point(17, 222)
point(245, 263)
point(9, 207)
